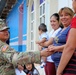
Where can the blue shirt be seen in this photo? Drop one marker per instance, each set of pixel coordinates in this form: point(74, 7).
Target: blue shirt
point(59, 40)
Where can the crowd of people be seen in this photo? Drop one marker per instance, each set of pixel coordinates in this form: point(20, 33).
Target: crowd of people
point(58, 47)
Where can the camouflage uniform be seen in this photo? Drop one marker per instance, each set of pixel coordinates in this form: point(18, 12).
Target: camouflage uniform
point(6, 67)
point(29, 57)
point(9, 58)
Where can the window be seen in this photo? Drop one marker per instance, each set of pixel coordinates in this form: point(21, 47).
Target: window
point(42, 11)
point(32, 27)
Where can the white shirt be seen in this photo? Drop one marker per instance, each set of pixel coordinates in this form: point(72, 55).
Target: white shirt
point(52, 34)
point(44, 35)
point(19, 73)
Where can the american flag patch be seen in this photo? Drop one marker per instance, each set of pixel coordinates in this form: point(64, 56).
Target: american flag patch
point(4, 48)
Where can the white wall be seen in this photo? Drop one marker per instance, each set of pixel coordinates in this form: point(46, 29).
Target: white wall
point(51, 7)
point(70, 3)
point(63, 3)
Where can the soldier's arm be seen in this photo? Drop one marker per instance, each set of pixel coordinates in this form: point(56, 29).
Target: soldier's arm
point(29, 57)
point(10, 55)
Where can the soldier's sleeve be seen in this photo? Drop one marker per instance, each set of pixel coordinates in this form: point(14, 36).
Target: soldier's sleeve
point(7, 53)
point(29, 57)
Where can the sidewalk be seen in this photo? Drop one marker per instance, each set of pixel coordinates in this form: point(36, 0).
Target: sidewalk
point(41, 70)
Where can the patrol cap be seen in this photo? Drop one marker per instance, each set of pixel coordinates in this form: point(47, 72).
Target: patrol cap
point(3, 25)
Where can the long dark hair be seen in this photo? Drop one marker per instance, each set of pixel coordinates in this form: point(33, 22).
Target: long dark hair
point(31, 71)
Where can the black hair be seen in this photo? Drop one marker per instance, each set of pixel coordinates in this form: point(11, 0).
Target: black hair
point(42, 27)
point(58, 19)
point(56, 15)
point(29, 72)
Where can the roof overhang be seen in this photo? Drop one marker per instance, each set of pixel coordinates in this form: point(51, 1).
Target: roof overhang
point(5, 7)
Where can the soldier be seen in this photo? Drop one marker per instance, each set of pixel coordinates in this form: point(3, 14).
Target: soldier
point(9, 58)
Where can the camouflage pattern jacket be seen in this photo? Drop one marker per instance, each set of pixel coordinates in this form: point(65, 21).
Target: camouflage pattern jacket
point(9, 59)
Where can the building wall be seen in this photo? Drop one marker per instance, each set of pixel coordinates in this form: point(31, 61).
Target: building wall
point(48, 11)
point(51, 6)
point(63, 3)
point(17, 21)
point(18, 39)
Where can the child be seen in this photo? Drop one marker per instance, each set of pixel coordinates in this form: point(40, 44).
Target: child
point(43, 37)
point(30, 69)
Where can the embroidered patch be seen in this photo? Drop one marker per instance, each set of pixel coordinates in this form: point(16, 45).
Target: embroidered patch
point(4, 48)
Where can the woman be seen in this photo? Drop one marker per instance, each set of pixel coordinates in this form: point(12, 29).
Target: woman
point(59, 41)
point(69, 53)
point(55, 24)
point(30, 69)
point(66, 15)
point(54, 21)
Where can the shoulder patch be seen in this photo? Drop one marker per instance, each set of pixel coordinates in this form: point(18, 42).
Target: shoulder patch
point(4, 48)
